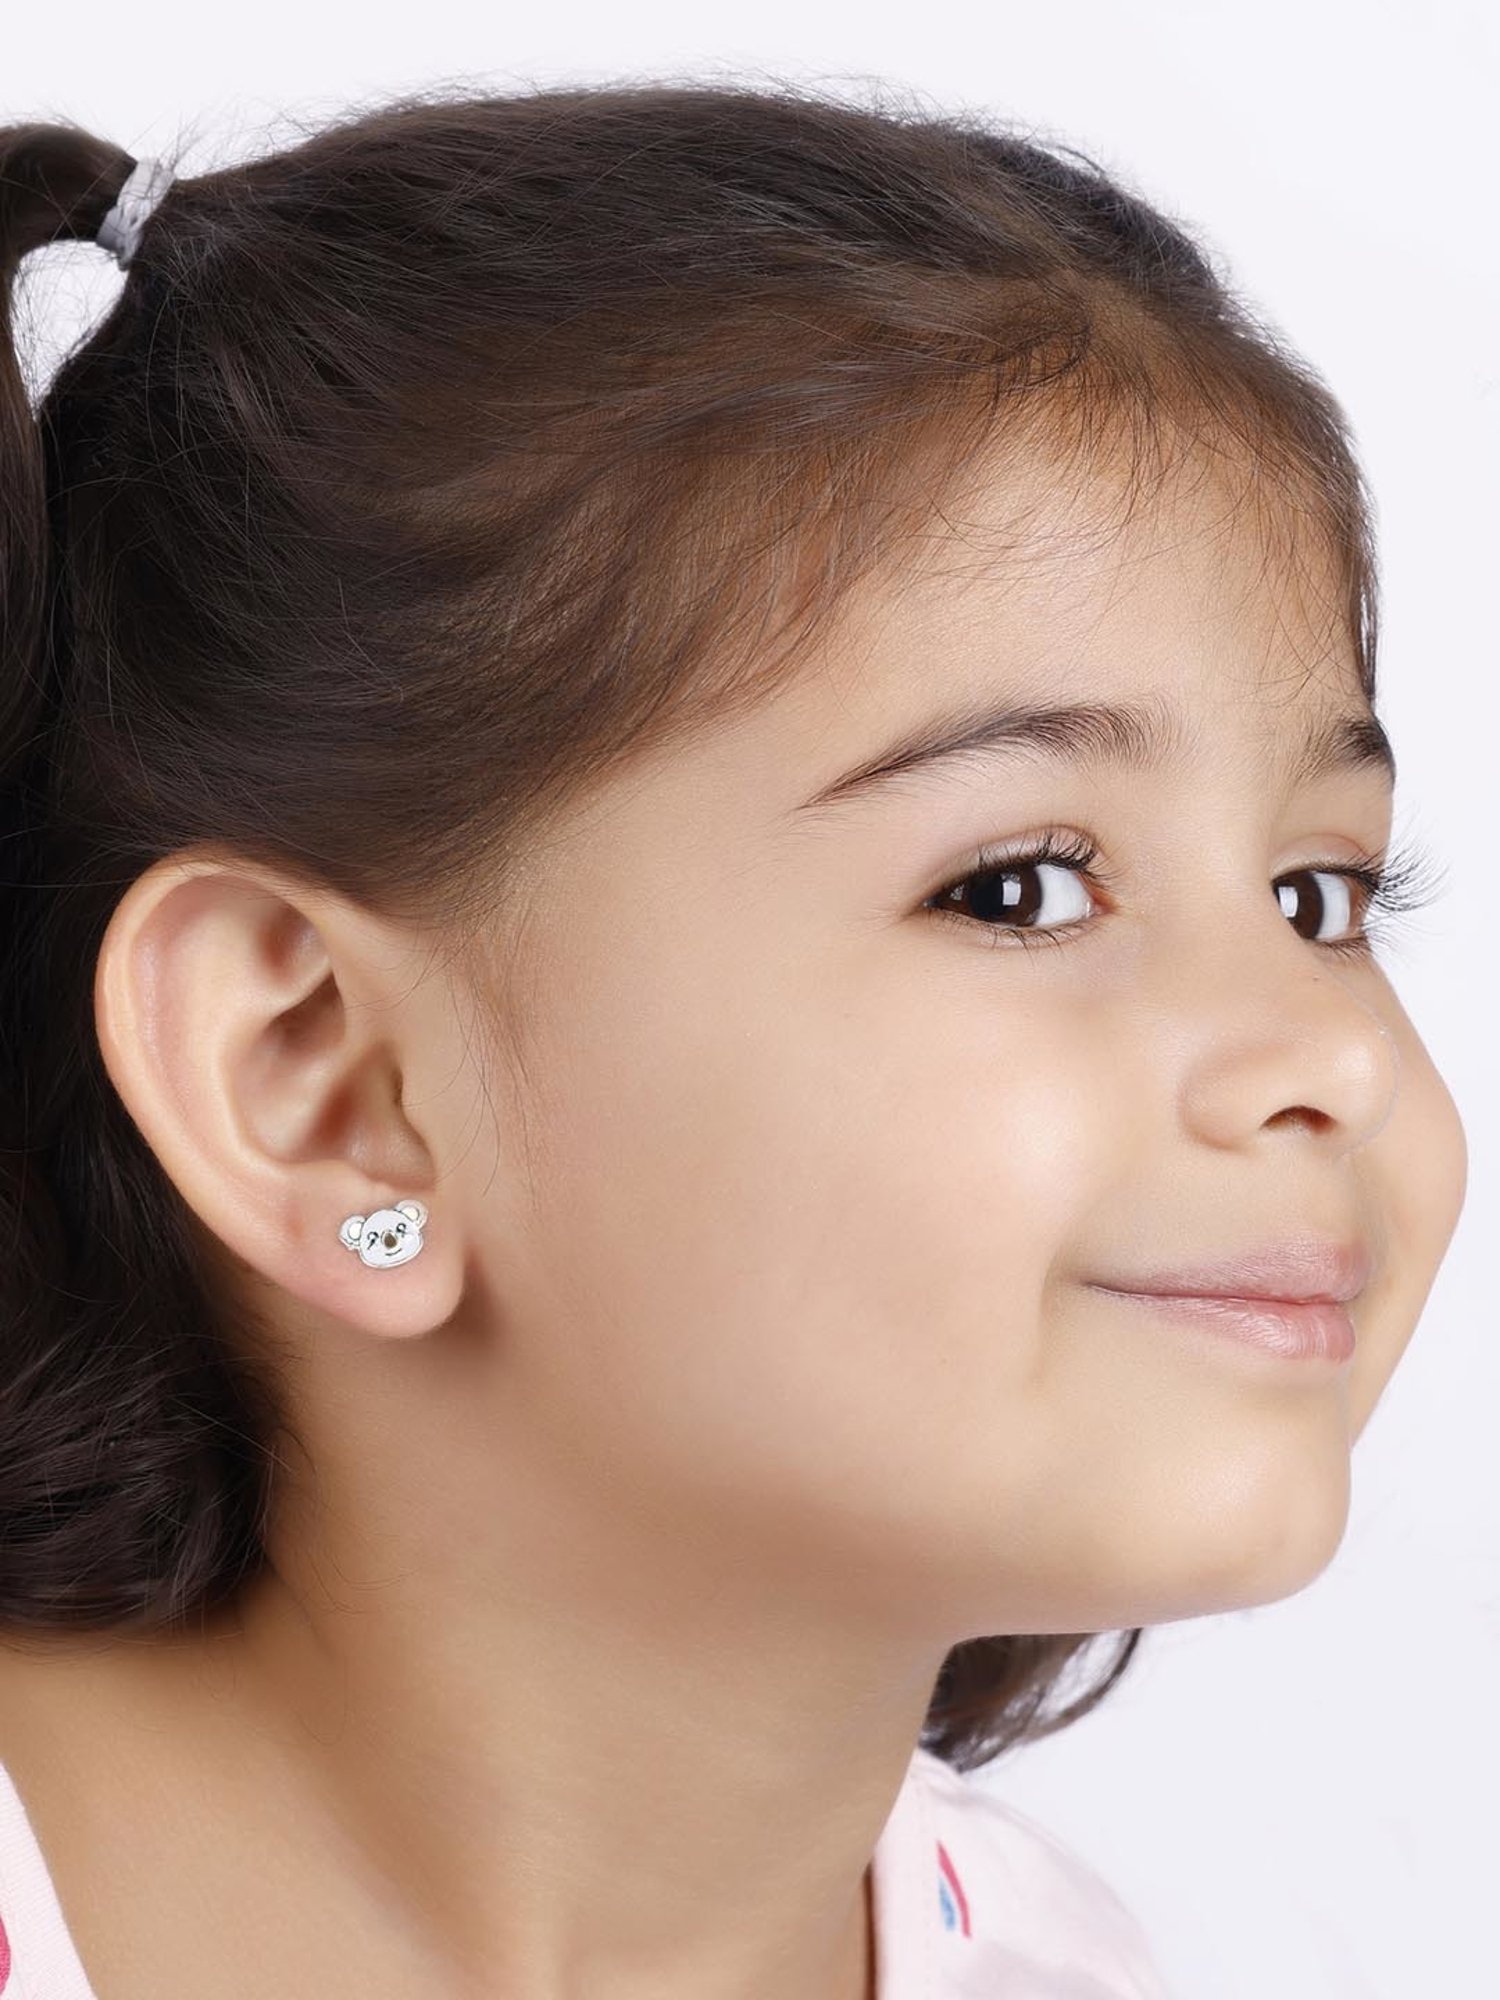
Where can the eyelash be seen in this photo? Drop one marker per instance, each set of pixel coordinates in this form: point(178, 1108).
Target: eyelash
point(1394, 883)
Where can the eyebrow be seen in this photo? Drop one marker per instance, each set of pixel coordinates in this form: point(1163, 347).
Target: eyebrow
point(1086, 734)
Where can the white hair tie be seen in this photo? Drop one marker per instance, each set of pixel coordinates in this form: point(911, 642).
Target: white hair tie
point(144, 187)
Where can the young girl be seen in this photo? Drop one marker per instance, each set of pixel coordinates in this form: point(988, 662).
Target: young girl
point(695, 1081)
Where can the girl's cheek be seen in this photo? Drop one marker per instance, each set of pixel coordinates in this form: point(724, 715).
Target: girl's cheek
point(1412, 1181)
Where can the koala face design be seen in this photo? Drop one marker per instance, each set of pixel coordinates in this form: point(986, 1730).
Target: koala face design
point(388, 1236)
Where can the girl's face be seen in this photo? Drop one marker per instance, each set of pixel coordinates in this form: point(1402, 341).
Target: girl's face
point(810, 1188)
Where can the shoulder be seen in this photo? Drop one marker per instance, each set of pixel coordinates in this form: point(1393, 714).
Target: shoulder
point(1009, 1885)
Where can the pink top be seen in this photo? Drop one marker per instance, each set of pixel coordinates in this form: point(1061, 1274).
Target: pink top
point(972, 1900)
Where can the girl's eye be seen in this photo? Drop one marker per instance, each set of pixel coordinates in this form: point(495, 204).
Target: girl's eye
point(1003, 894)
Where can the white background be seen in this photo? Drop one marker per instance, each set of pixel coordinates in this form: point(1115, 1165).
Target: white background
point(1298, 1800)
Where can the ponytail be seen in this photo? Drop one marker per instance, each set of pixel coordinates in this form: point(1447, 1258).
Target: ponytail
point(119, 1503)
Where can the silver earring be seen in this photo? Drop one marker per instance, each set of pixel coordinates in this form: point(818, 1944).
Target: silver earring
point(387, 1236)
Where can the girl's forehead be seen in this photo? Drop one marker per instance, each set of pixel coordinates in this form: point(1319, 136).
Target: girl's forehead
point(1197, 613)
point(1210, 530)
point(1198, 599)
point(1200, 582)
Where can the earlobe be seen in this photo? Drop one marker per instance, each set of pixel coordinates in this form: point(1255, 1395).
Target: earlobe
point(387, 1236)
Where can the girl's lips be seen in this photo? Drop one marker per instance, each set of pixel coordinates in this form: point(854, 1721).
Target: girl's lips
point(1297, 1270)
point(1295, 1329)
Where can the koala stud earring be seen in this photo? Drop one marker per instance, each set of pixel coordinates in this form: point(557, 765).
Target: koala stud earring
point(387, 1236)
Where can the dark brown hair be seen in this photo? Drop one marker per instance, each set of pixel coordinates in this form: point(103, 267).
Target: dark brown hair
point(528, 432)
